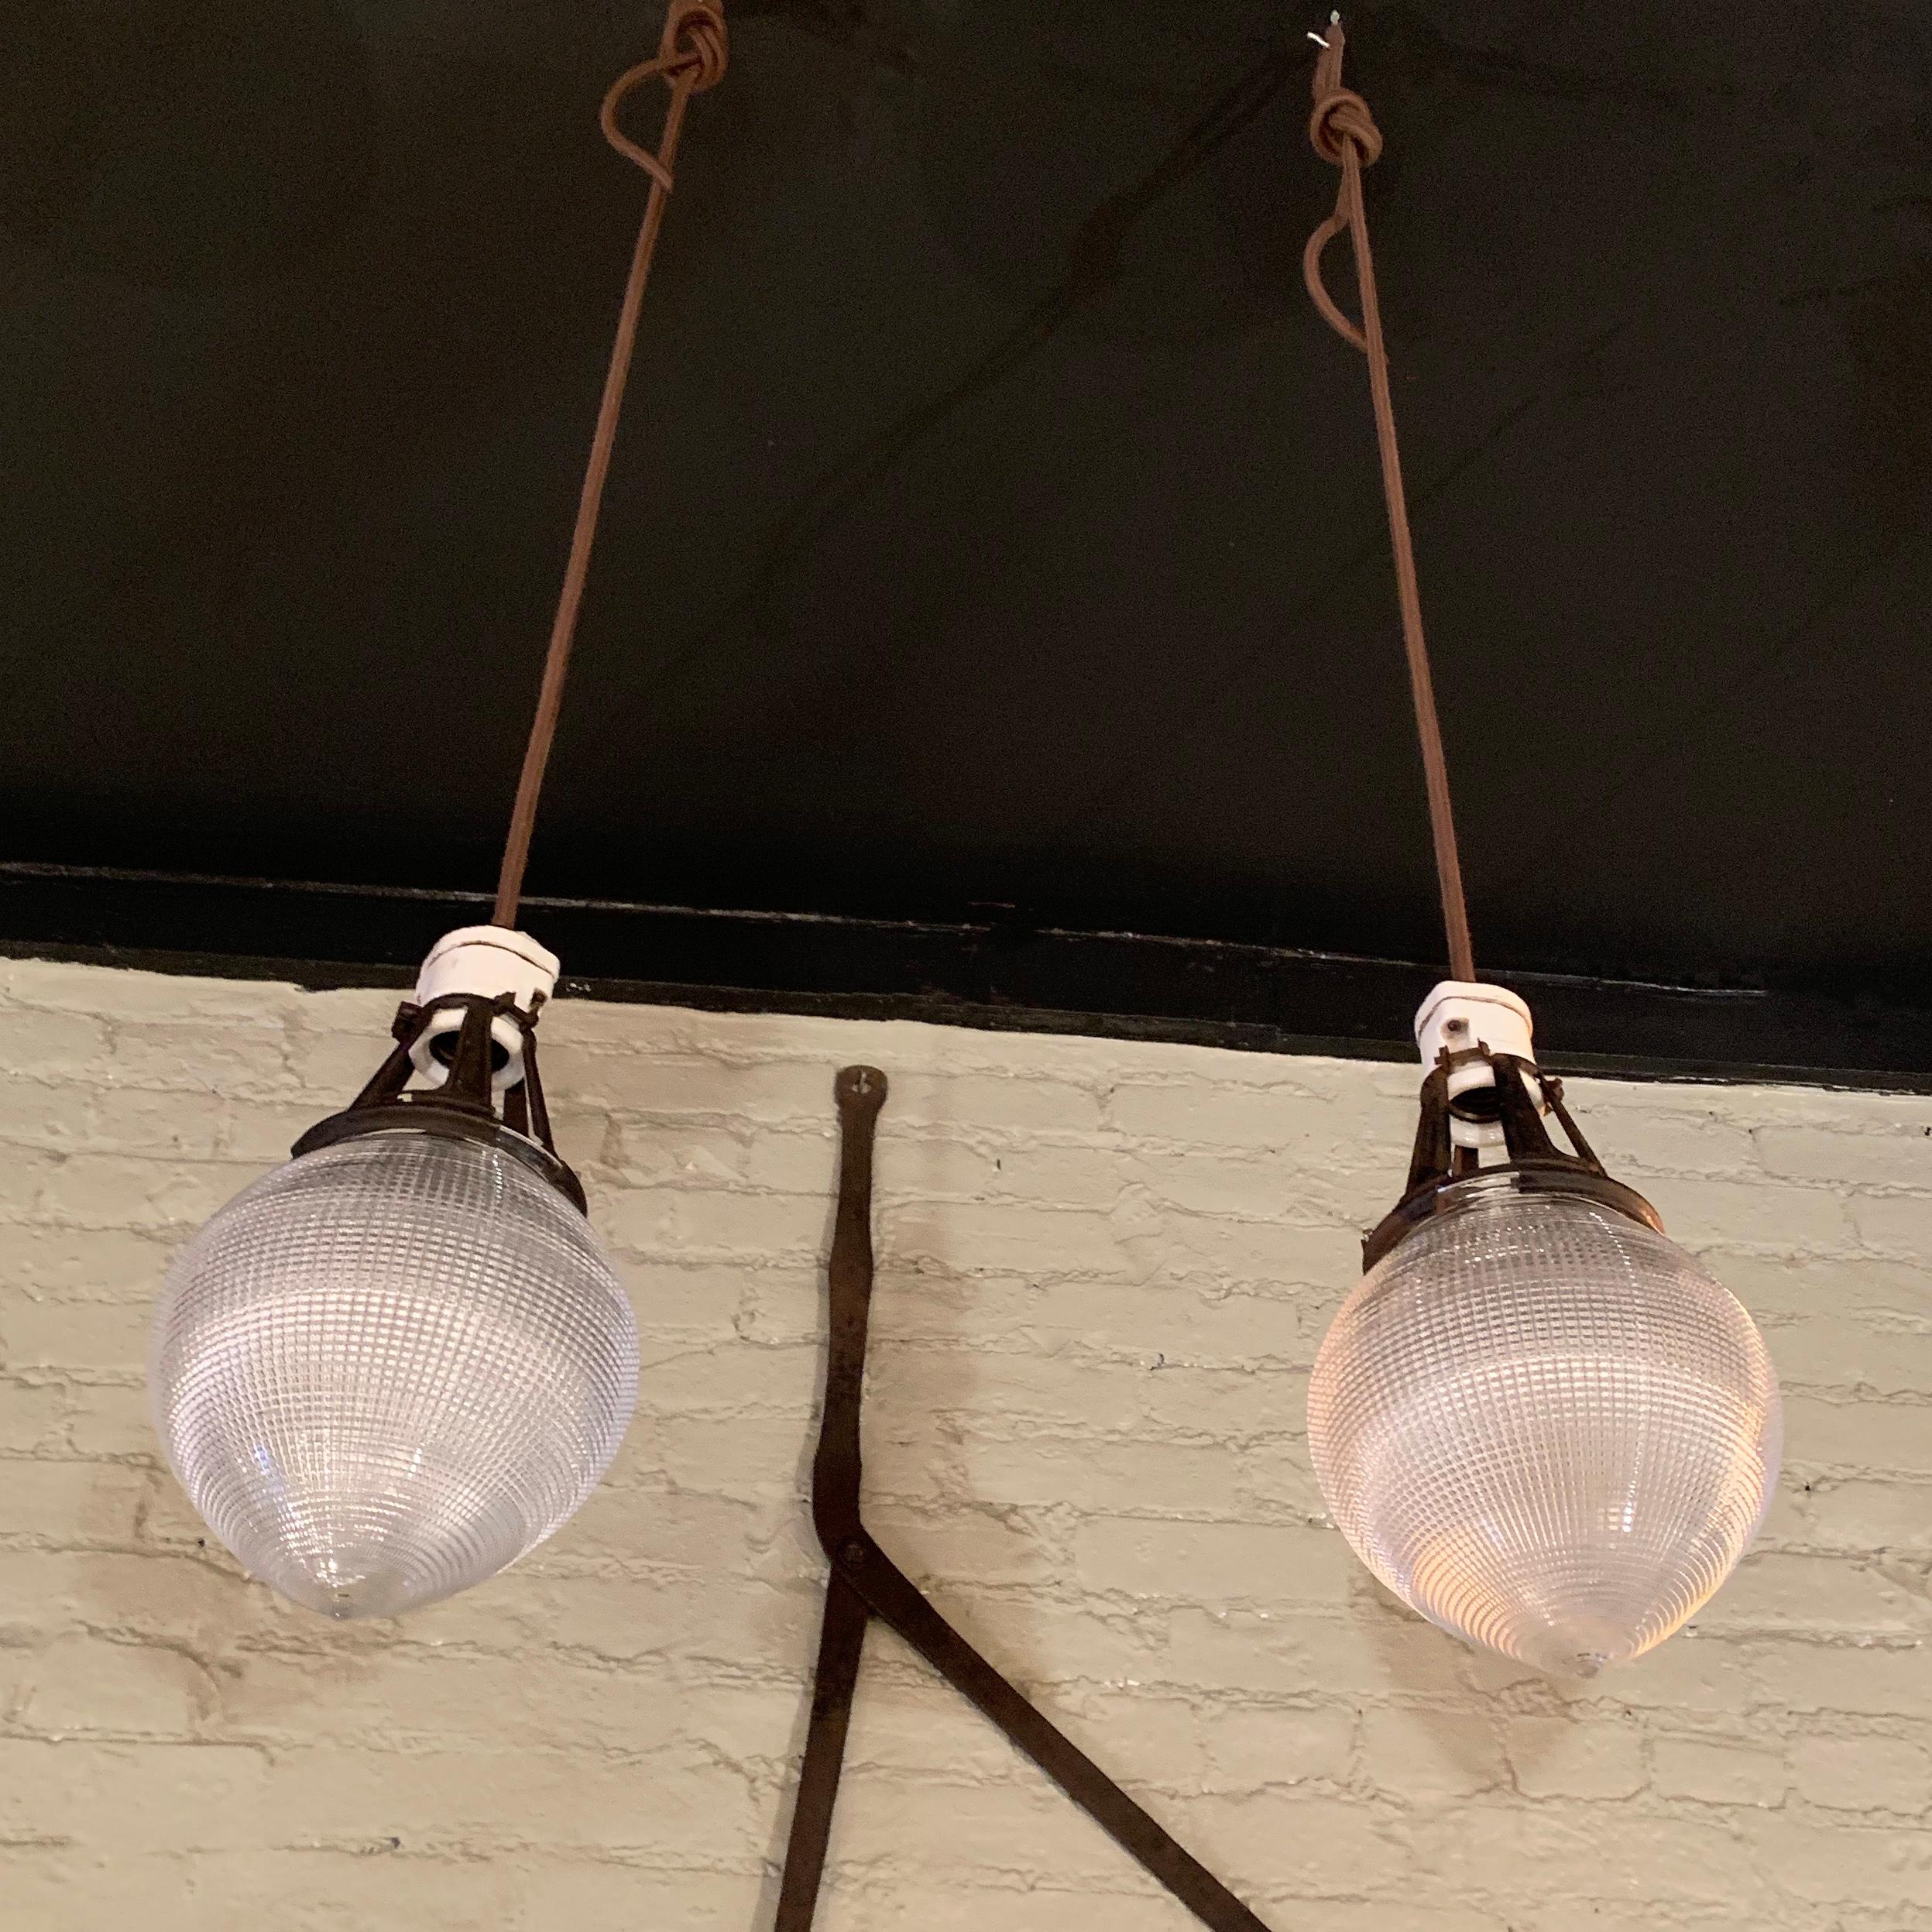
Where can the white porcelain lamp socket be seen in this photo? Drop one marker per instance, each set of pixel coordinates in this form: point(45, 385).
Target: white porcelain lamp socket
point(1460, 1016)
point(484, 963)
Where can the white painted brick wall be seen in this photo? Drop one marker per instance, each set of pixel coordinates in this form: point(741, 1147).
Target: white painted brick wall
point(1104, 1272)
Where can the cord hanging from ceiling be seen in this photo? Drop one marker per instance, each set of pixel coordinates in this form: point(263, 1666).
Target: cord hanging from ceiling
point(690, 58)
point(1344, 134)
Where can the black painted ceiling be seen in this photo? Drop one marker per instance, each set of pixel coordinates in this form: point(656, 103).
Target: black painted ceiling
point(991, 521)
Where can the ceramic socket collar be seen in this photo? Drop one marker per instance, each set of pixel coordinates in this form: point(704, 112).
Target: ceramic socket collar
point(483, 963)
point(1462, 1016)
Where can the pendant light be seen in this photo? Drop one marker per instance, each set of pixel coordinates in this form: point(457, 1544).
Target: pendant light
point(400, 1361)
point(1537, 1420)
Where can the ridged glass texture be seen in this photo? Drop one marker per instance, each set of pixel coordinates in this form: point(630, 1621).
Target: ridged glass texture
point(1546, 1428)
point(389, 1368)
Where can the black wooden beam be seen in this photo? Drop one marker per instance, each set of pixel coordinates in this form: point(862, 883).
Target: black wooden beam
point(1003, 977)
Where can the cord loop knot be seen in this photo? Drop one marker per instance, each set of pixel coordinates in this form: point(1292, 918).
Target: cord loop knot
point(690, 57)
point(696, 39)
point(1343, 116)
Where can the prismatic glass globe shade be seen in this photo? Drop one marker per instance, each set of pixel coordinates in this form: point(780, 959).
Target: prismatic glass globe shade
point(1546, 1428)
point(389, 1367)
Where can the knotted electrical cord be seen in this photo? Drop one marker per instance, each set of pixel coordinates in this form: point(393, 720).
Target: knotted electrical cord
point(1344, 134)
point(690, 58)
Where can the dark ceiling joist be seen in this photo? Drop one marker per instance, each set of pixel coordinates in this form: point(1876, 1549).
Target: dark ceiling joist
point(1003, 977)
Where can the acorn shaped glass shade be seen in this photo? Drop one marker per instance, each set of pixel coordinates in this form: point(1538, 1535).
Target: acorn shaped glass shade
point(391, 1367)
point(1546, 1428)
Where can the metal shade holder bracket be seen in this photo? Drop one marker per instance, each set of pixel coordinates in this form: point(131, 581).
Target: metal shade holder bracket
point(1445, 1171)
point(474, 1100)
point(865, 1583)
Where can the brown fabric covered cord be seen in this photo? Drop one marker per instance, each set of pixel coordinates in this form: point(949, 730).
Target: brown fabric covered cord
point(1344, 134)
point(690, 58)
